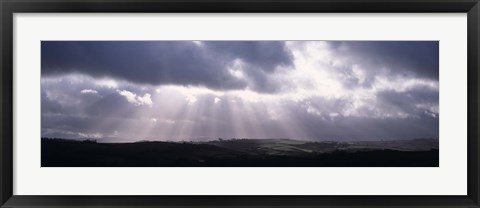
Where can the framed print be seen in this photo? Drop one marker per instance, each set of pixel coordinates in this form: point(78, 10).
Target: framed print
point(239, 104)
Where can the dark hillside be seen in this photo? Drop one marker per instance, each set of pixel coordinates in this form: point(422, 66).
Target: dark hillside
point(233, 153)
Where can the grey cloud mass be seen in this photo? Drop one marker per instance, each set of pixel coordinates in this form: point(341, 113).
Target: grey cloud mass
point(387, 58)
point(166, 62)
point(176, 90)
point(263, 55)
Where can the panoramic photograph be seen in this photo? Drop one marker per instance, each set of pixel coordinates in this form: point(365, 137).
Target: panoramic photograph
point(239, 103)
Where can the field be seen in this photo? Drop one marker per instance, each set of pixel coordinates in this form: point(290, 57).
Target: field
point(241, 153)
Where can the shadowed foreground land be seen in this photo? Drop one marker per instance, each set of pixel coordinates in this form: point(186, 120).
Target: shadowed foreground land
point(241, 153)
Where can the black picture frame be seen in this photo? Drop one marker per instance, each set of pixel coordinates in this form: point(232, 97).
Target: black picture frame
point(9, 7)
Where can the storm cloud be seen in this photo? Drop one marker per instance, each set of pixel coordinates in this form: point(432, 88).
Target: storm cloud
point(200, 90)
point(167, 62)
point(410, 59)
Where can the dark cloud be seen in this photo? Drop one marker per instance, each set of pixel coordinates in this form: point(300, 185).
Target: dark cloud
point(264, 55)
point(356, 128)
point(417, 101)
point(68, 113)
point(410, 59)
point(49, 105)
point(365, 126)
point(75, 106)
point(166, 62)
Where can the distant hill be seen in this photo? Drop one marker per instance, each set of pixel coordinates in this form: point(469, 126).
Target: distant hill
point(240, 153)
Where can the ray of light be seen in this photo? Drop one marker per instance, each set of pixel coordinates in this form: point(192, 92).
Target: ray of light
point(191, 112)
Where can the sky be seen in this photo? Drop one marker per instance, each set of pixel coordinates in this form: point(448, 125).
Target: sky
point(125, 91)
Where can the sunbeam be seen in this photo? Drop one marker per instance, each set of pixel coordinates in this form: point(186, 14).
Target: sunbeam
point(205, 90)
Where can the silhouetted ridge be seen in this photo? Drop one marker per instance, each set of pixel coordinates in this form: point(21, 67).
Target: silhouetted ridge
point(58, 152)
